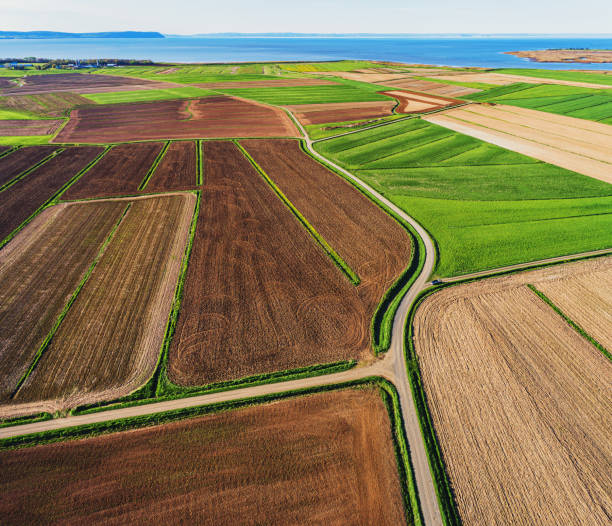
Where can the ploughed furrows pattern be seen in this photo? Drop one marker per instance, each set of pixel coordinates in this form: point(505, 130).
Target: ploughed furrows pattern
point(23, 198)
point(39, 271)
point(319, 459)
point(372, 243)
point(520, 402)
point(259, 295)
point(44, 104)
point(119, 172)
point(208, 117)
point(109, 341)
point(20, 160)
point(31, 128)
point(177, 170)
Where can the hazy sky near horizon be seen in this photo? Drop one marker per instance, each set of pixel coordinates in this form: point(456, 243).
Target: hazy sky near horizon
point(317, 16)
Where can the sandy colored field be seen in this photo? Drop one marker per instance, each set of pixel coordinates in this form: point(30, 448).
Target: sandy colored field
point(501, 79)
point(23, 198)
point(39, 271)
point(207, 117)
point(372, 244)
point(585, 56)
point(109, 342)
point(270, 83)
point(435, 88)
point(46, 104)
point(20, 160)
point(341, 112)
point(29, 127)
point(119, 172)
point(585, 150)
point(319, 459)
point(177, 170)
point(411, 102)
point(260, 295)
point(520, 402)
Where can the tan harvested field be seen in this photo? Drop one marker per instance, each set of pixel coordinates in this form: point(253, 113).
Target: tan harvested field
point(319, 459)
point(109, 341)
point(536, 134)
point(119, 172)
point(260, 295)
point(411, 102)
point(373, 244)
point(520, 402)
point(501, 79)
point(271, 83)
point(29, 128)
point(39, 271)
point(177, 170)
point(342, 111)
point(435, 88)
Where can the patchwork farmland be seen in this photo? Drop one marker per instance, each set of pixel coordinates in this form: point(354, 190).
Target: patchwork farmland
point(499, 364)
point(177, 170)
point(21, 160)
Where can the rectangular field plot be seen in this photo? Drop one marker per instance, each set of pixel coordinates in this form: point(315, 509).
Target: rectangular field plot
point(23, 198)
point(208, 117)
point(109, 341)
point(119, 172)
point(177, 170)
point(29, 128)
point(39, 271)
point(520, 401)
point(372, 243)
point(339, 112)
point(260, 295)
point(318, 459)
point(20, 160)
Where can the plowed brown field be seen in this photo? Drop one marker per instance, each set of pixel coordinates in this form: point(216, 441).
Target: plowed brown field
point(45, 104)
point(521, 403)
point(20, 160)
point(22, 199)
point(207, 117)
point(109, 341)
point(119, 172)
point(411, 102)
point(39, 271)
point(435, 88)
point(340, 112)
point(177, 170)
point(319, 459)
point(259, 295)
point(29, 128)
point(375, 246)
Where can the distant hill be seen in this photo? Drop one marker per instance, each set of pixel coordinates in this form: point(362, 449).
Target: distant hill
point(55, 34)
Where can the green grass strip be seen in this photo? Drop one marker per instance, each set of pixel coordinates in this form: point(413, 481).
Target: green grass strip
point(571, 322)
point(154, 166)
point(9, 151)
point(29, 170)
point(335, 257)
point(60, 318)
point(200, 165)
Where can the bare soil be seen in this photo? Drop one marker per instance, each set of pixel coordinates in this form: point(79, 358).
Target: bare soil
point(341, 112)
point(435, 88)
point(20, 160)
point(29, 127)
point(411, 102)
point(520, 401)
point(55, 104)
point(177, 170)
point(319, 459)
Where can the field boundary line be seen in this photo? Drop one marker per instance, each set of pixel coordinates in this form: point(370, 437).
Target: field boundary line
point(570, 322)
point(9, 151)
point(199, 164)
point(29, 170)
point(350, 274)
point(154, 166)
point(386, 123)
point(45, 343)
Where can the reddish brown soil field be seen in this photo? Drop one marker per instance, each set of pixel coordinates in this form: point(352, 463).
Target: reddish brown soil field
point(109, 342)
point(319, 459)
point(259, 295)
point(412, 102)
point(177, 170)
point(375, 246)
point(22, 199)
point(4, 149)
point(341, 112)
point(208, 117)
point(39, 271)
point(22, 159)
point(119, 172)
point(29, 127)
point(79, 83)
point(45, 104)
point(272, 83)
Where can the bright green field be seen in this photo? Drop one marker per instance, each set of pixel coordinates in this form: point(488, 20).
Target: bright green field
point(6, 115)
point(148, 95)
point(25, 141)
point(577, 76)
point(485, 206)
point(583, 103)
point(341, 65)
point(320, 131)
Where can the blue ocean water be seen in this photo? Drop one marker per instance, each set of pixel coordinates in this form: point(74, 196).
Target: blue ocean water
point(449, 51)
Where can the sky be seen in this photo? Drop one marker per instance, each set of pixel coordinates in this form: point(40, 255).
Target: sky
point(316, 16)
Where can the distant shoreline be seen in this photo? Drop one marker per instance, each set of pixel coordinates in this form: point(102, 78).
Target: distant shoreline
point(566, 56)
point(35, 35)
